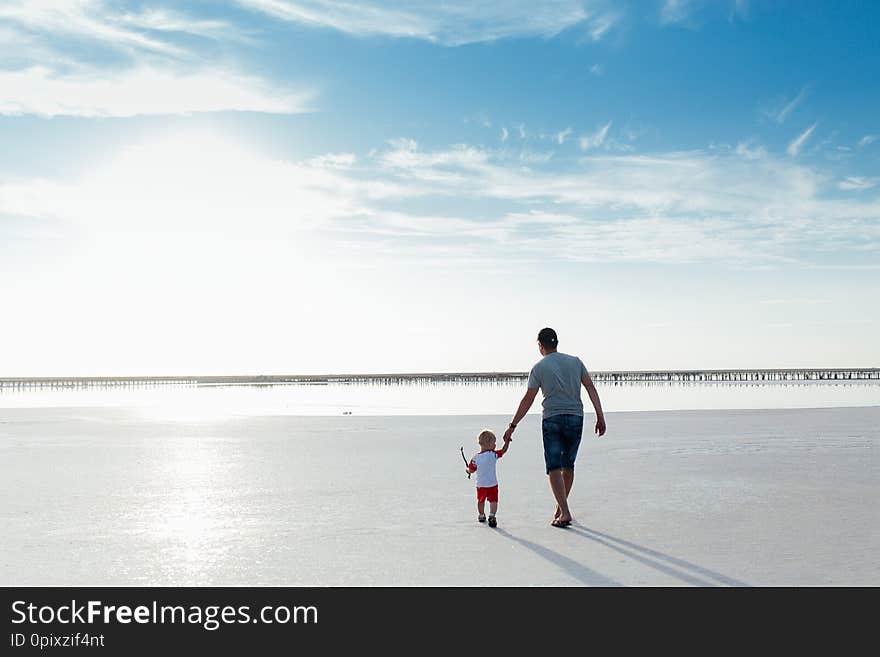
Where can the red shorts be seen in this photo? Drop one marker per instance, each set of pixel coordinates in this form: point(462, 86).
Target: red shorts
point(489, 493)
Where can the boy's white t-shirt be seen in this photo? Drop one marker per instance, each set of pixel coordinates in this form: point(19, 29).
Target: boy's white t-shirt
point(484, 464)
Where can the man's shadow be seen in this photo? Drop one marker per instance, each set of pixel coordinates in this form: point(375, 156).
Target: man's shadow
point(672, 566)
point(575, 569)
point(685, 571)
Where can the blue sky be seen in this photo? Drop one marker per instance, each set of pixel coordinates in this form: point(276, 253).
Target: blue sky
point(305, 186)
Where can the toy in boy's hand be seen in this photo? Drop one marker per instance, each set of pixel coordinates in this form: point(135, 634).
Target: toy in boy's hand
point(466, 463)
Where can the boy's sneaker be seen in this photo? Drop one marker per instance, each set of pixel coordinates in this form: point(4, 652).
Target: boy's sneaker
point(492, 521)
point(481, 518)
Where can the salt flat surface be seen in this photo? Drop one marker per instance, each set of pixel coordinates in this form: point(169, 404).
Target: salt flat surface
point(105, 496)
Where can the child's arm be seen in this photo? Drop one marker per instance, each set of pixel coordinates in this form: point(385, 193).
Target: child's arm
point(503, 450)
point(472, 467)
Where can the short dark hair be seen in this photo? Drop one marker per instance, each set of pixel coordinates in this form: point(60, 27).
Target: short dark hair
point(547, 338)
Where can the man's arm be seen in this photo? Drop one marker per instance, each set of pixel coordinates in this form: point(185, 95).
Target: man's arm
point(597, 405)
point(524, 407)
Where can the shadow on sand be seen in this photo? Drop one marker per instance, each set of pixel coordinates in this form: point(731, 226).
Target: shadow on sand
point(679, 569)
point(577, 570)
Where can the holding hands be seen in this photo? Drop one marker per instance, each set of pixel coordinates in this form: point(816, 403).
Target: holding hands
point(508, 435)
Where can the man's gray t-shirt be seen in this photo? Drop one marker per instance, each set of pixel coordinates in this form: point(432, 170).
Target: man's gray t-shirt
point(559, 378)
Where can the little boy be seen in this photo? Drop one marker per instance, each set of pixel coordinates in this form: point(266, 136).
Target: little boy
point(487, 482)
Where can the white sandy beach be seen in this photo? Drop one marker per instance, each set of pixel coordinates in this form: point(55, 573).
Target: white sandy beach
point(102, 496)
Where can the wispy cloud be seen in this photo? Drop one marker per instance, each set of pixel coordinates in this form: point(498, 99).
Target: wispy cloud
point(601, 24)
point(596, 139)
point(334, 161)
point(532, 157)
point(66, 25)
point(84, 19)
point(858, 183)
point(448, 23)
point(142, 91)
point(750, 150)
point(166, 20)
point(563, 135)
point(866, 140)
point(782, 113)
point(504, 134)
point(675, 11)
point(480, 118)
point(794, 148)
point(674, 207)
point(693, 13)
point(94, 58)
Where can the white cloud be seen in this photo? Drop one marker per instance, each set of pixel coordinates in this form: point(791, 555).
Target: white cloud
point(674, 207)
point(675, 11)
point(334, 161)
point(141, 91)
point(531, 157)
point(504, 134)
point(749, 150)
point(596, 139)
point(403, 144)
point(783, 112)
point(87, 19)
point(480, 118)
point(46, 71)
point(196, 200)
point(858, 183)
point(794, 148)
point(600, 25)
point(109, 24)
point(563, 135)
point(867, 139)
point(201, 200)
point(596, 69)
point(165, 20)
point(692, 13)
point(448, 23)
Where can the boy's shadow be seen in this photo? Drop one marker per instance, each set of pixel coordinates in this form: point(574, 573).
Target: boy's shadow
point(672, 566)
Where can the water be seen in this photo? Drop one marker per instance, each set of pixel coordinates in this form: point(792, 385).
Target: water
point(217, 402)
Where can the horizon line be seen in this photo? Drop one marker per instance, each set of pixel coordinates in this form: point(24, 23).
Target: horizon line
point(293, 378)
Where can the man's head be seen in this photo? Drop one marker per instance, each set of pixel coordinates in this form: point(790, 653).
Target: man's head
point(547, 341)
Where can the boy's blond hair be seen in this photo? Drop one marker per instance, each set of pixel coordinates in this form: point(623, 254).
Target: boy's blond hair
point(483, 438)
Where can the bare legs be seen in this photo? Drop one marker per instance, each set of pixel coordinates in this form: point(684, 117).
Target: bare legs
point(561, 482)
point(481, 509)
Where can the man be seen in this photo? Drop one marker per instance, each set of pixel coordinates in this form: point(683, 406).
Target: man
point(559, 376)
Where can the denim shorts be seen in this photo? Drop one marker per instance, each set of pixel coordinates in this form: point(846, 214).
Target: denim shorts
point(562, 437)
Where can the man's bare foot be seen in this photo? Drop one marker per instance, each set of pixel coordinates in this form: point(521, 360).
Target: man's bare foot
point(558, 512)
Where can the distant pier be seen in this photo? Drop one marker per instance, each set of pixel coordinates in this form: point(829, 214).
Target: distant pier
point(670, 376)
